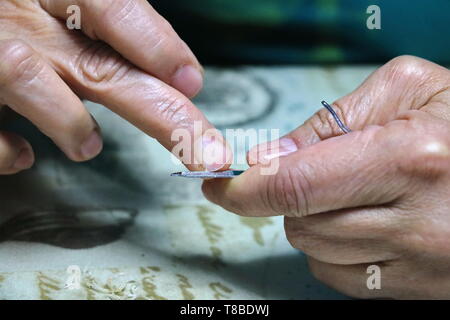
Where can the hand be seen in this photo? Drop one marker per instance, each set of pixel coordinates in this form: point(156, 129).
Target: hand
point(378, 195)
point(126, 57)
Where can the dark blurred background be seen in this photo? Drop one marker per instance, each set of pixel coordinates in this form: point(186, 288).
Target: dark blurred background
point(224, 32)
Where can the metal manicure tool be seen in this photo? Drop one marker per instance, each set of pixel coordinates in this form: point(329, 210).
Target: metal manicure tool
point(234, 173)
point(208, 174)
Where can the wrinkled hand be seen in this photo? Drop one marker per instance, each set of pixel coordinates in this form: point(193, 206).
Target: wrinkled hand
point(126, 57)
point(378, 195)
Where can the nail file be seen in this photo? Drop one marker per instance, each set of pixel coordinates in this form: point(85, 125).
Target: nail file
point(208, 174)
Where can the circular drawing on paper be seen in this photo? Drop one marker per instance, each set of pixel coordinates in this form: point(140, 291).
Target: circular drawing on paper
point(234, 97)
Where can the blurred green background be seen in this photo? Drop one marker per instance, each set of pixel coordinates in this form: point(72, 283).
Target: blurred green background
point(309, 31)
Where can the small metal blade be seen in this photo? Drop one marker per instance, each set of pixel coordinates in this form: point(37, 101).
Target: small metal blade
point(208, 174)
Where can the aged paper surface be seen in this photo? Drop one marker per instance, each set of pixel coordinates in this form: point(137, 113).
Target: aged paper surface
point(119, 227)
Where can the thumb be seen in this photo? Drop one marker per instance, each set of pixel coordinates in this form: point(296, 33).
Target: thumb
point(370, 167)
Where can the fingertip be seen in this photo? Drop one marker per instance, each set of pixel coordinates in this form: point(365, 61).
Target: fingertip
point(25, 159)
point(212, 188)
point(206, 185)
point(188, 80)
point(92, 146)
point(212, 152)
point(16, 154)
point(87, 150)
point(227, 194)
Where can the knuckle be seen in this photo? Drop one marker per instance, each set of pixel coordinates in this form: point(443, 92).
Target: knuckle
point(99, 65)
point(407, 71)
point(414, 80)
point(115, 13)
point(174, 109)
point(111, 11)
point(323, 124)
point(18, 63)
point(285, 192)
point(119, 10)
point(427, 157)
point(162, 46)
point(299, 186)
point(405, 64)
point(428, 236)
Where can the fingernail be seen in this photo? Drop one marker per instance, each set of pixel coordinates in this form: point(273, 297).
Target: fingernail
point(92, 146)
point(188, 80)
point(215, 153)
point(24, 160)
point(278, 148)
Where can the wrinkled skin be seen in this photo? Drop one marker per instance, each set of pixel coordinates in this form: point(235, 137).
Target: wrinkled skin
point(378, 195)
point(126, 57)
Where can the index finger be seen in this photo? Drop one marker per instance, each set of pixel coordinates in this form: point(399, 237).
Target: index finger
point(135, 30)
point(99, 74)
